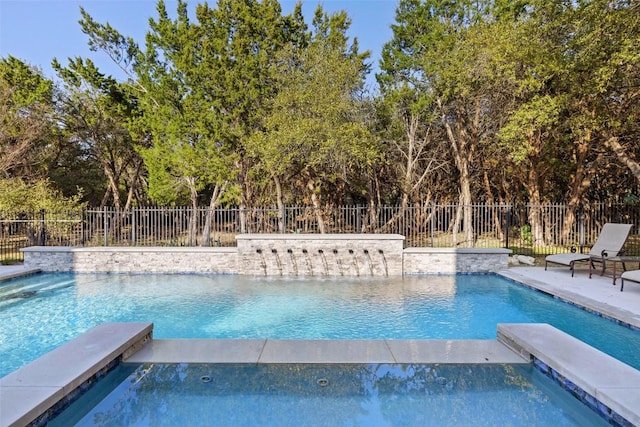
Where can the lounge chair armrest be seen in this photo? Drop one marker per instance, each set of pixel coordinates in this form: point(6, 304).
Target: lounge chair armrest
point(605, 253)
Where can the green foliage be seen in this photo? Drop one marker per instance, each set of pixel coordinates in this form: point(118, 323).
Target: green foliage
point(19, 196)
point(313, 131)
point(99, 118)
point(490, 99)
point(631, 199)
point(206, 85)
point(526, 235)
point(104, 38)
point(28, 86)
point(527, 123)
point(27, 128)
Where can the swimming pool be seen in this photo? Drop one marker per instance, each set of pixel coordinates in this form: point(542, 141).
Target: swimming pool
point(40, 312)
point(322, 395)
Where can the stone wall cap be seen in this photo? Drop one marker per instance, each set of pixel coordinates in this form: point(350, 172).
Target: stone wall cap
point(146, 249)
point(483, 251)
point(302, 236)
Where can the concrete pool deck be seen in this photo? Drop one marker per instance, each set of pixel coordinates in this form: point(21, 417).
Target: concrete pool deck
point(597, 293)
point(8, 272)
point(613, 383)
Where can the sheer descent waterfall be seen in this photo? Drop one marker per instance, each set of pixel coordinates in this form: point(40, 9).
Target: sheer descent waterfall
point(321, 254)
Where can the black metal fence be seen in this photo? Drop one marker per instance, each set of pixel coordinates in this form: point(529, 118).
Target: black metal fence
point(526, 229)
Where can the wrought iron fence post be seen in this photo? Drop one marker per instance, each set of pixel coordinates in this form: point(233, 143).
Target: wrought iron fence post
point(105, 226)
point(82, 226)
point(283, 215)
point(507, 221)
point(581, 232)
point(41, 237)
point(433, 225)
point(133, 226)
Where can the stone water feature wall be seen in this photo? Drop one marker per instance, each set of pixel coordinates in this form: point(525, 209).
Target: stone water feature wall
point(337, 255)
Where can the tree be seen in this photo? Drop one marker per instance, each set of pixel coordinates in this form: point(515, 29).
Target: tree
point(413, 137)
point(437, 49)
point(19, 196)
point(571, 72)
point(26, 119)
point(201, 88)
point(188, 152)
point(608, 64)
point(312, 136)
point(29, 201)
point(96, 114)
point(241, 42)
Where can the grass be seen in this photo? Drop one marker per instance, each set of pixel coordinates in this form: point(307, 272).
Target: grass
point(10, 260)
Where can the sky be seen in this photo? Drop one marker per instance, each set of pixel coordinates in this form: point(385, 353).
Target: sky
point(36, 31)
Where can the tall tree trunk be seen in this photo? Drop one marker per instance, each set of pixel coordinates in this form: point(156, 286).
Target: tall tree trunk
point(494, 214)
point(411, 128)
point(458, 219)
point(192, 233)
point(112, 177)
point(467, 208)
point(315, 202)
point(535, 201)
point(244, 198)
point(132, 185)
point(580, 183)
point(280, 203)
point(462, 150)
point(374, 200)
point(218, 190)
point(634, 167)
point(105, 197)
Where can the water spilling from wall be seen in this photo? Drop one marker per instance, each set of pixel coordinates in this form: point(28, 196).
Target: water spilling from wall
point(353, 255)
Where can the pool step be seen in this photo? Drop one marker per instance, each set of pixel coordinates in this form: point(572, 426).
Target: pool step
point(29, 281)
point(325, 351)
point(14, 293)
point(29, 392)
point(600, 379)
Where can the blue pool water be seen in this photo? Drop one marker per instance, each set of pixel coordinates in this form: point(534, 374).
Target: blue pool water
point(323, 395)
point(40, 312)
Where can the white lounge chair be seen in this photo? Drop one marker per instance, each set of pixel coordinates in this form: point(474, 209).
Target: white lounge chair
point(631, 275)
point(609, 244)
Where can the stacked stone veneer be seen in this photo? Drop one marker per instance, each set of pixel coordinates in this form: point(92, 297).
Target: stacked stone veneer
point(321, 254)
point(132, 259)
point(454, 260)
point(350, 255)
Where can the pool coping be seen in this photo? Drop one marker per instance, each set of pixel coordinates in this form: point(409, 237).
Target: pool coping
point(8, 272)
point(31, 391)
